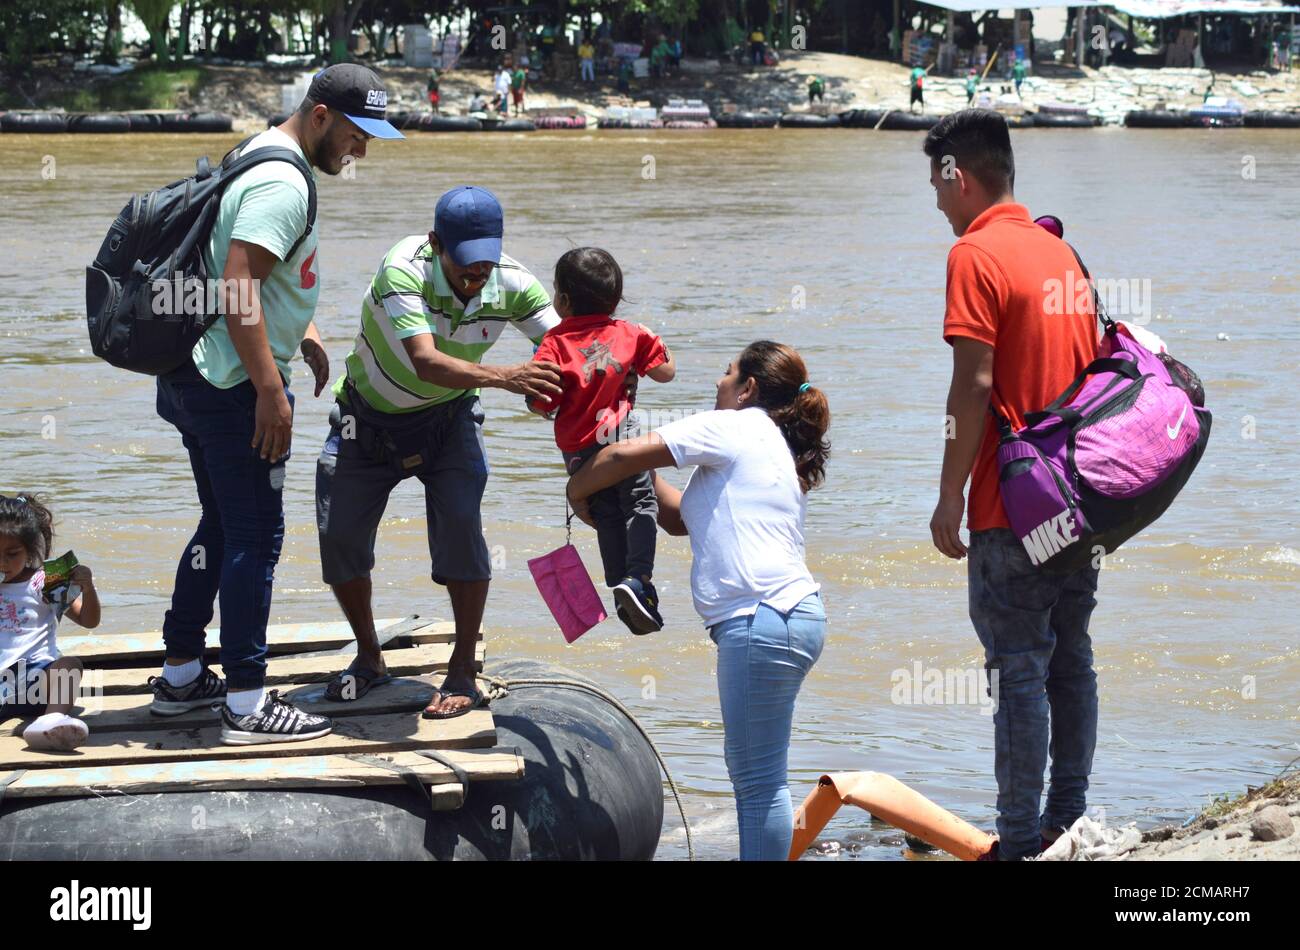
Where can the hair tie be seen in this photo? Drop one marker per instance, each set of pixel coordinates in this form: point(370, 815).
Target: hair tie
point(803, 387)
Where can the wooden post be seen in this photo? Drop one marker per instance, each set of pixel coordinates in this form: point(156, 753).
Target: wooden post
point(1080, 28)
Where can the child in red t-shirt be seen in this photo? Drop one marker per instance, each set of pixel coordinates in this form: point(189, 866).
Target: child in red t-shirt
point(600, 359)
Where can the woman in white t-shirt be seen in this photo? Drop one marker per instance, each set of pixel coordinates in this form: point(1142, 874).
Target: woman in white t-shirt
point(757, 454)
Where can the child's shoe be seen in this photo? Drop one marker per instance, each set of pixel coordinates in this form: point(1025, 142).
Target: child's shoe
point(56, 732)
point(638, 605)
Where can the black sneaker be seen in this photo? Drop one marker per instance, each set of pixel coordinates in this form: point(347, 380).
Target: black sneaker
point(277, 721)
point(207, 689)
point(638, 606)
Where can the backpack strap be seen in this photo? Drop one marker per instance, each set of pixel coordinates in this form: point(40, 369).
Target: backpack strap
point(235, 163)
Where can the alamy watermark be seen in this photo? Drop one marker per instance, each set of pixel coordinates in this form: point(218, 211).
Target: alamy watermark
point(920, 685)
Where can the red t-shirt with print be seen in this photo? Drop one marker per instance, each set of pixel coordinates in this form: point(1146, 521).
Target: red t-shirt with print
point(596, 355)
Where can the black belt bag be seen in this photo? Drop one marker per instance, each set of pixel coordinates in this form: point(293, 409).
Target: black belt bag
point(405, 442)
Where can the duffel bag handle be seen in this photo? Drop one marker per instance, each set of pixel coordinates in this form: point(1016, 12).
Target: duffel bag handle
point(1109, 364)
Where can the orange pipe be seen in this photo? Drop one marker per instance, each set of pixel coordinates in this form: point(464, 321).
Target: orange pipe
point(889, 800)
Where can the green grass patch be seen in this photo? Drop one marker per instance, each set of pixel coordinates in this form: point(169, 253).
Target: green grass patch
point(149, 87)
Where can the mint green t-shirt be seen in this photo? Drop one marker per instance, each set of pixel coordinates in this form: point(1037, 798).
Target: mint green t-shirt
point(266, 206)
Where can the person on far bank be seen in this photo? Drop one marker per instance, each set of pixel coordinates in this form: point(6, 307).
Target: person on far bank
point(1012, 353)
point(600, 361)
point(972, 83)
point(1018, 74)
point(917, 81)
point(408, 405)
point(435, 96)
point(233, 408)
point(501, 86)
point(757, 47)
point(816, 89)
point(756, 457)
point(518, 83)
point(587, 60)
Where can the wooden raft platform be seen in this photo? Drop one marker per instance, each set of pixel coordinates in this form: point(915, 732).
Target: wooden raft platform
point(376, 739)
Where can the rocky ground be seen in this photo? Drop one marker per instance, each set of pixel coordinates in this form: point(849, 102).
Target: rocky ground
point(1259, 826)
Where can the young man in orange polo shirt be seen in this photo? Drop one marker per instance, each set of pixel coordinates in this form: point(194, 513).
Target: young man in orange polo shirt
point(1012, 352)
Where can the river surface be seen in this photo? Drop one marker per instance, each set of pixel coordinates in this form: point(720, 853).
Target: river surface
point(828, 241)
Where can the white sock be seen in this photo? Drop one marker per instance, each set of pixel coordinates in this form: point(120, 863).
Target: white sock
point(246, 702)
point(184, 674)
point(56, 731)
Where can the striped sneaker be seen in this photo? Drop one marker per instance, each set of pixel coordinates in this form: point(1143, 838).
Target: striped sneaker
point(208, 689)
point(277, 721)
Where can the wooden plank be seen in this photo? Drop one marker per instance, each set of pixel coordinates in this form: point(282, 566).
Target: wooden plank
point(352, 734)
point(281, 639)
point(311, 771)
point(131, 712)
point(281, 670)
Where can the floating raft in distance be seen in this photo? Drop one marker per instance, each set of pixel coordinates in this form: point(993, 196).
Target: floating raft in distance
point(47, 123)
point(567, 777)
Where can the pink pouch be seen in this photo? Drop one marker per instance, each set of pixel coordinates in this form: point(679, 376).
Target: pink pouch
point(567, 589)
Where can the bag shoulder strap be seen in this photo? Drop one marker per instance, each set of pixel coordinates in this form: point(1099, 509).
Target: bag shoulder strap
point(235, 163)
point(1107, 323)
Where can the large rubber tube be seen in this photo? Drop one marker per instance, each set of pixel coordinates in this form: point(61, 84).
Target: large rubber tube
point(809, 120)
point(40, 123)
point(449, 123)
point(861, 118)
point(748, 120)
point(902, 121)
point(103, 122)
point(591, 790)
point(196, 122)
point(145, 121)
point(511, 125)
point(1273, 120)
point(1063, 120)
point(561, 121)
point(1156, 119)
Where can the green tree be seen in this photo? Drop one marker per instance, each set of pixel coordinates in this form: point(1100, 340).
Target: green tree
point(155, 14)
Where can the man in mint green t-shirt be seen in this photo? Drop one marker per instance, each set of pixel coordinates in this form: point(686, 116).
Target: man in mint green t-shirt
point(234, 410)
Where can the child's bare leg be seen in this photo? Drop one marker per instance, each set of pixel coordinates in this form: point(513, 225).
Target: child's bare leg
point(58, 731)
point(62, 684)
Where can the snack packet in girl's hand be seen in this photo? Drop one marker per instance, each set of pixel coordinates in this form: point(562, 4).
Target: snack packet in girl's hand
point(58, 590)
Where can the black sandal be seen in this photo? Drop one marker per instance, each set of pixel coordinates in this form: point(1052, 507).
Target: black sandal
point(354, 682)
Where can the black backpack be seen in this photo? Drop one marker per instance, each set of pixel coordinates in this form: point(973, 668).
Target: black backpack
point(147, 300)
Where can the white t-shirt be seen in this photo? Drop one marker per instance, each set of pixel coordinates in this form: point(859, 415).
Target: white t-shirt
point(744, 512)
point(27, 623)
point(503, 82)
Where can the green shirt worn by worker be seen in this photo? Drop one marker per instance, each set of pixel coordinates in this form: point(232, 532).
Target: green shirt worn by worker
point(410, 295)
point(918, 74)
point(1018, 71)
point(517, 79)
point(971, 83)
point(815, 85)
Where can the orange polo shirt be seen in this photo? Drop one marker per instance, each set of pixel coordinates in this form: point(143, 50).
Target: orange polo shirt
point(1019, 289)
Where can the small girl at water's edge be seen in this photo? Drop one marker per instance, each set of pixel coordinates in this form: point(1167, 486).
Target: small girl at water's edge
point(34, 680)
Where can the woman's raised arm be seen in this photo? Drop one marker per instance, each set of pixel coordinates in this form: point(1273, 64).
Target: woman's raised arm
point(610, 466)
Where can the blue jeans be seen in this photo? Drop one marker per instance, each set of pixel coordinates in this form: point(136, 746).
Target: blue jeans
point(1034, 628)
point(237, 544)
point(762, 660)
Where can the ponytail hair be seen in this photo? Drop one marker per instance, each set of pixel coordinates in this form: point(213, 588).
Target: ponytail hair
point(798, 408)
point(25, 517)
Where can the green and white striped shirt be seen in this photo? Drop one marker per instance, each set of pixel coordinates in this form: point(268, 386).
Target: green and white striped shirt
point(410, 295)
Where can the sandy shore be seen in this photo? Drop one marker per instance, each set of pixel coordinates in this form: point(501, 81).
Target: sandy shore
point(1262, 825)
point(251, 93)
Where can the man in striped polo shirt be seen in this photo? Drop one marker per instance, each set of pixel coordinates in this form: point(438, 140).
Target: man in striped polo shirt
point(409, 405)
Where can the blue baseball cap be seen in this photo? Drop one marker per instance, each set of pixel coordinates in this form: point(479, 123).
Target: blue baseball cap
point(469, 223)
point(358, 93)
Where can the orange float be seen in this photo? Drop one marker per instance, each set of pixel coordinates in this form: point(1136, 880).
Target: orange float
point(891, 801)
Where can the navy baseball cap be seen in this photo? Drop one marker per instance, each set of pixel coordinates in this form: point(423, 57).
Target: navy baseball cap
point(469, 223)
point(358, 93)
